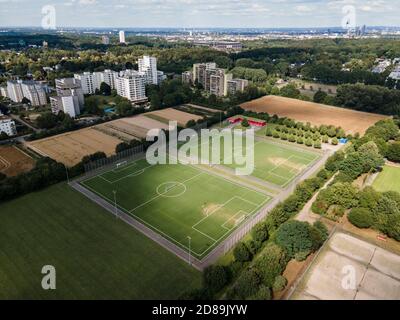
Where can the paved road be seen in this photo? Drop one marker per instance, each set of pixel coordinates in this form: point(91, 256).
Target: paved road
point(17, 118)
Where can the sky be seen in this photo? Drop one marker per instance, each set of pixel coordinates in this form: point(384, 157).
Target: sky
point(198, 13)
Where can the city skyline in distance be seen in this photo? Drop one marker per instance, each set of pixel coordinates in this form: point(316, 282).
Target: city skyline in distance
point(198, 14)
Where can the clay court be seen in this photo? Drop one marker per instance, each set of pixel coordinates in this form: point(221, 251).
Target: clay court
point(70, 148)
point(317, 114)
point(171, 114)
point(14, 161)
point(376, 272)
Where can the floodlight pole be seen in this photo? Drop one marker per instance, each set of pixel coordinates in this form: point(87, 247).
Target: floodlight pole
point(66, 172)
point(190, 257)
point(115, 203)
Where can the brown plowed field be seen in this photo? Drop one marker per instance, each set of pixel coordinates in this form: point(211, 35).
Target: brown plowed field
point(317, 114)
point(13, 161)
point(171, 114)
point(69, 148)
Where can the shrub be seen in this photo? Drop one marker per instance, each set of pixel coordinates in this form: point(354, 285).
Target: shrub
point(214, 278)
point(294, 236)
point(245, 123)
point(335, 141)
point(260, 232)
point(317, 144)
point(393, 153)
point(361, 217)
point(302, 255)
point(242, 252)
point(263, 293)
point(270, 263)
point(300, 140)
point(279, 283)
point(246, 285)
point(309, 142)
point(322, 229)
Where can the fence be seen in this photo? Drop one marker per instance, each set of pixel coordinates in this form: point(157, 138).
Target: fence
point(129, 154)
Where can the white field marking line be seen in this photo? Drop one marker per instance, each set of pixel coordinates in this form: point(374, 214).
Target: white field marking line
point(111, 201)
point(233, 217)
point(219, 208)
point(217, 176)
point(235, 227)
point(245, 200)
point(288, 147)
point(116, 170)
point(6, 163)
point(161, 194)
point(204, 234)
point(133, 174)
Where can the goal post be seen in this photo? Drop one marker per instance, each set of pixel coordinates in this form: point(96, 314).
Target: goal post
point(121, 164)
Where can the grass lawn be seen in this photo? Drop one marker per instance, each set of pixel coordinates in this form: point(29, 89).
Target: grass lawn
point(95, 255)
point(388, 179)
point(178, 201)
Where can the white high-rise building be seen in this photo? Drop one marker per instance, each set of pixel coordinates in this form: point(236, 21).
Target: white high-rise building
point(87, 82)
point(131, 84)
point(7, 125)
point(14, 90)
point(105, 40)
point(92, 81)
point(148, 65)
point(33, 91)
point(122, 36)
point(70, 97)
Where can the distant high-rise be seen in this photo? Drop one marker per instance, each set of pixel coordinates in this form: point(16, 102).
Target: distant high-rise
point(148, 66)
point(105, 40)
point(33, 91)
point(122, 36)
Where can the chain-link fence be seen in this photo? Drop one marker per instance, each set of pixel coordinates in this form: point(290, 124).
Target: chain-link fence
point(126, 155)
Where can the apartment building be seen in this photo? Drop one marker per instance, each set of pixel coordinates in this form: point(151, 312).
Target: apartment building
point(187, 77)
point(3, 91)
point(148, 66)
point(216, 82)
point(7, 125)
point(131, 84)
point(105, 40)
point(31, 90)
point(91, 82)
point(395, 74)
point(236, 85)
point(69, 97)
point(199, 71)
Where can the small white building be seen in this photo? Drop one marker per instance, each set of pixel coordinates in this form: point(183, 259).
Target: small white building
point(7, 125)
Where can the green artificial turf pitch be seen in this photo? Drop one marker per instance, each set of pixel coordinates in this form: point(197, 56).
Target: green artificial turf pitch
point(179, 201)
point(274, 162)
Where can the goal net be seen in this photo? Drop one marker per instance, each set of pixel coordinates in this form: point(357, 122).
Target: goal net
point(121, 164)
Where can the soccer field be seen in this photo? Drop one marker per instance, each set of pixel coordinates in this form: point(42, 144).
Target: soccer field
point(179, 201)
point(274, 162)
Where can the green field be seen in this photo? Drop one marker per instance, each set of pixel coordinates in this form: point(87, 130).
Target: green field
point(95, 255)
point(388, 179)
point(179, 201)
point(274, 162)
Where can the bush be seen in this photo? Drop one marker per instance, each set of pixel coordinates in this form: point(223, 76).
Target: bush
point(246, 285)
point(260, 232)
point(309, 142)
point(302, 255)
point(322, 229)
point(300, 140)
point(214, 278)
point(242, 252)
point(279, 283)
point(263, 293)
point(335, 141)
point(294, 236)
point(317, 144)
point(393, 153)
point(361, 217)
